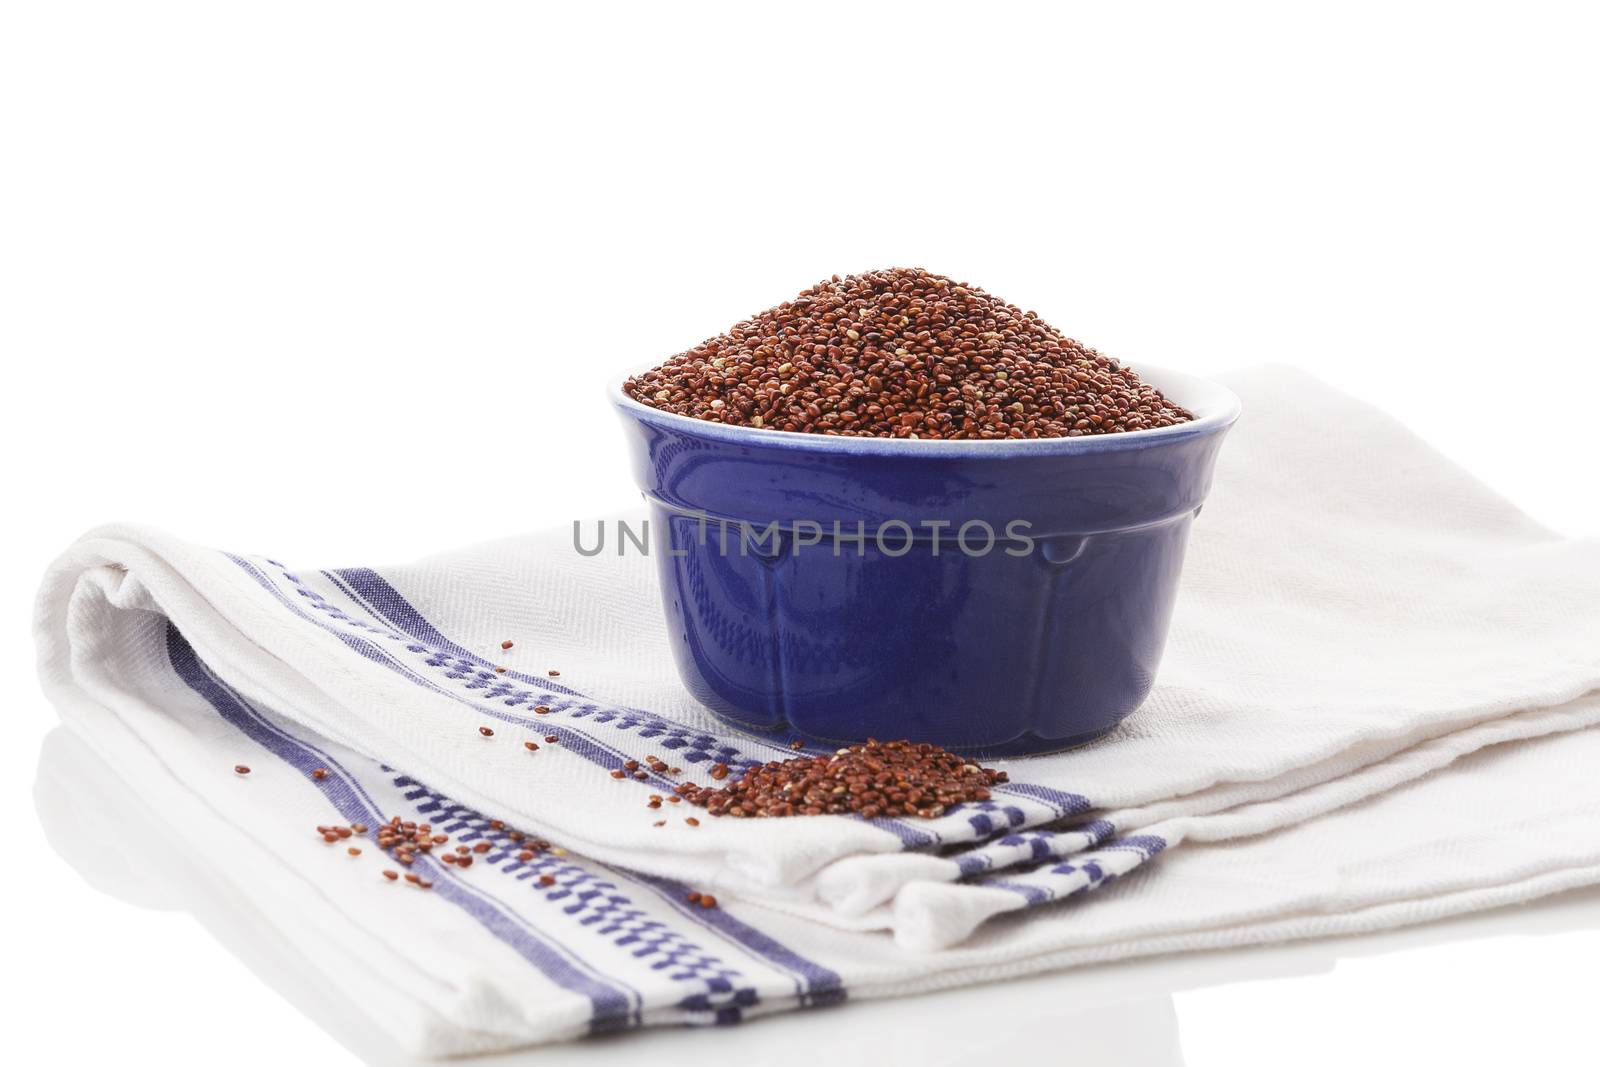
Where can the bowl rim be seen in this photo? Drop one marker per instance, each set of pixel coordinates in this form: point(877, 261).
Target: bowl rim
point(1214, 405)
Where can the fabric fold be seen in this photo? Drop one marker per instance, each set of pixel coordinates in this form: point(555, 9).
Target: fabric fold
point(1362, 628)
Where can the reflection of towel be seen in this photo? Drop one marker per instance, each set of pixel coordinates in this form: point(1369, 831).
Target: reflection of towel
point(1355, 614)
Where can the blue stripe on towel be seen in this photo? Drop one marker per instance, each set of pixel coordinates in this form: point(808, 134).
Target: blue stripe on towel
point(613, 1007)
point(368, 588)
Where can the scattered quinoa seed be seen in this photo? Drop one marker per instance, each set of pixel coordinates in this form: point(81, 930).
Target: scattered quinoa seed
point(239, 768)
point(505, 644)
point(485, 731)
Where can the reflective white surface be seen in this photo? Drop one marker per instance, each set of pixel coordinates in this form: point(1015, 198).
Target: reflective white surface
point(344, 283)
point(1529, 973)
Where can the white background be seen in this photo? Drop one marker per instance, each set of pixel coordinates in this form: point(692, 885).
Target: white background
point(344, 283)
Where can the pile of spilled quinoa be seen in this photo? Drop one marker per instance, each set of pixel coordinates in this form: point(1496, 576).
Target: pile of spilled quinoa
point(903, 353)
point(888, 778)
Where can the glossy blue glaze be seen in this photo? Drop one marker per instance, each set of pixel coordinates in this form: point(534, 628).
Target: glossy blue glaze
point(838, 640)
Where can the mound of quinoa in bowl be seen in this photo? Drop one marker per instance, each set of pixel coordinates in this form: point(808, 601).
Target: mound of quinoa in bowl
point(903, 353)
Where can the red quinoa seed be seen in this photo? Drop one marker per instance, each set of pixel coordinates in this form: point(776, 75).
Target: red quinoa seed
point(903, 353)
point(891, 779)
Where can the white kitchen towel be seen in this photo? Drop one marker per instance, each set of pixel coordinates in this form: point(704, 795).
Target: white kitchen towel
point(1356, 614)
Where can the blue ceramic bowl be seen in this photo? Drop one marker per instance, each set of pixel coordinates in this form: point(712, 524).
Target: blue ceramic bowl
point(891, 625)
